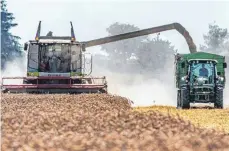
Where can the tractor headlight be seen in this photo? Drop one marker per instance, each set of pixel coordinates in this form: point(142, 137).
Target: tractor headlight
point(221, 79)
point(184, 78)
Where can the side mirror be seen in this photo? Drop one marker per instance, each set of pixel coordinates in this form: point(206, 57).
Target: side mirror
point(182, 65)
point(83, 47)
point(224, 65)
point(25, 46)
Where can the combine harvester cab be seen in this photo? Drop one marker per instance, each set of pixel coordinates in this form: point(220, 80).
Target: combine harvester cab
point(200, 78)
point(56, 65)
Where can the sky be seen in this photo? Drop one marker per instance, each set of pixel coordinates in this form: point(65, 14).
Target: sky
point(91, 18)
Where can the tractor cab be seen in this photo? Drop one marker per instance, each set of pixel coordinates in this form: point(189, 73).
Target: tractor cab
point(202, 72)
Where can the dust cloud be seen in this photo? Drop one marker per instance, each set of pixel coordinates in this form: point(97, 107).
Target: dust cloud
point(141, 90)
point(15, 68)
point(160, 90)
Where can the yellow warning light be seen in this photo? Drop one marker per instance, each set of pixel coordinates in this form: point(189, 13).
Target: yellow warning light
point(73, 39)
point(37, 38)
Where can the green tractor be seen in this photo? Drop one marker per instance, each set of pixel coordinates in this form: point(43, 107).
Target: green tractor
point(200, 78)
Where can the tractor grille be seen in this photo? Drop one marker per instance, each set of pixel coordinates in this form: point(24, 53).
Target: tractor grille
point(202, 90)
point(202, 94)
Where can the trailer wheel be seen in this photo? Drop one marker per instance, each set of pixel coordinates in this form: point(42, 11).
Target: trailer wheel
point(185, 100)
point(178, 99)
point(219, 98)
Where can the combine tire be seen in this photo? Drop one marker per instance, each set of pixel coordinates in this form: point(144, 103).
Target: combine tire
point(185, 100)
point(219, 98)
point(102, 91)
point(5, 91)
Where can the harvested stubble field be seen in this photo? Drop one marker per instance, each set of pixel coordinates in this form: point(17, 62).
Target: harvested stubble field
point(105, 122)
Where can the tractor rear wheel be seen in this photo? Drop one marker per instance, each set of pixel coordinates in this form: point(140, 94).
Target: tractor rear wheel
point(185, 99)
point(219, 98)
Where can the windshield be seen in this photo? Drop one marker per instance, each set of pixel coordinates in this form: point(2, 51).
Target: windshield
point(55, 58)
point(202, 73)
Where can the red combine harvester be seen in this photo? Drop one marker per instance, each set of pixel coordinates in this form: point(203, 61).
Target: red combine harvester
point(57, 64)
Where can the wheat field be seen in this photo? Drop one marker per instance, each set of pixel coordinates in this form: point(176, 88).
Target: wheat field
point(202, 117)
point(105, 122)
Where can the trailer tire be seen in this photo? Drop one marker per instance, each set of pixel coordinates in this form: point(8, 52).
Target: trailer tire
point(185, 99)
point(219, 98)
point(178, 99)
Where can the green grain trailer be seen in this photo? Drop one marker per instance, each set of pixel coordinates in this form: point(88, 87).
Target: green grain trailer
point(200, 78)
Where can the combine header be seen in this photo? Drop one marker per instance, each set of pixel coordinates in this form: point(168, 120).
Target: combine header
point(57, 64)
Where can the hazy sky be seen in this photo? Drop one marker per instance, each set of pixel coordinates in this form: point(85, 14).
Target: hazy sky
point(91, 18)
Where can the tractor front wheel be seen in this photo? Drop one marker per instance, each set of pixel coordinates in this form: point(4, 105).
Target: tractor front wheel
point(185, 99)
point(219, 98)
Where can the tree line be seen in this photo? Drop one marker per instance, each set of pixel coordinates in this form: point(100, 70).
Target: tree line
point(10, 46)
point(140, 54)
point(151, 55)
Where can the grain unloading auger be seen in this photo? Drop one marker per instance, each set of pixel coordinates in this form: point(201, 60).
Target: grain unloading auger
point(56, 64)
